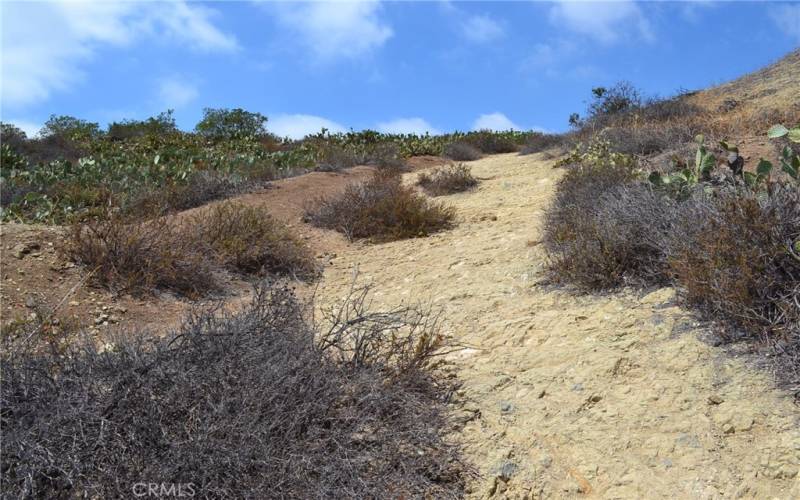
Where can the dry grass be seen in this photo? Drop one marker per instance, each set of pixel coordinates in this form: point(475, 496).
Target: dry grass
point(380, 209)
point(254, 404)
point(447, 180)
point(754, 102)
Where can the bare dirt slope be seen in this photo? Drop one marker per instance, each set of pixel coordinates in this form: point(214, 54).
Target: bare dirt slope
point(565, 396)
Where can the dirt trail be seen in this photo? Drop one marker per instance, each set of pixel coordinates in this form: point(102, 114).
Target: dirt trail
point(564, 396)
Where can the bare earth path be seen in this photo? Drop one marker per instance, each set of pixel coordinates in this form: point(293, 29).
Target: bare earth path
point(565, 396)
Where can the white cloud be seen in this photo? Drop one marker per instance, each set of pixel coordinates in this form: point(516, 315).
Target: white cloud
point(407, 126)
point(481, 29)
point(175, 93)
point(478, 28)
point(45, 44)
point(333, 30)
point(30, 128)
point(494, 121)
point(299, 126)
point(606, 22)
point(787, 18)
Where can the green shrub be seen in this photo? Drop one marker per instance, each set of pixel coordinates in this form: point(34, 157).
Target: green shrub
point(447, 180)
point(70, 128)
point(225, 124)
point(163, 123)
point(380, 209)
point(491, 143)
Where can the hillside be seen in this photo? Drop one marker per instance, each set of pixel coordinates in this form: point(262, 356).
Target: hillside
point(754, 102)
point(618, 391)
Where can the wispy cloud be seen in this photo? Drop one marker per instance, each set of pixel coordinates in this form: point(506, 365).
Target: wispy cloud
point(481, 29)
point(45, 45)
point(494, 121)
point(476, 28)
point(787, 18)
point(335, 30)
point(175, 92)
point(407, 126)
point(299, 126)
point(606, 22)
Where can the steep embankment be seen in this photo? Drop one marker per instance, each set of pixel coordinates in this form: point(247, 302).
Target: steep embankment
point(613, 396)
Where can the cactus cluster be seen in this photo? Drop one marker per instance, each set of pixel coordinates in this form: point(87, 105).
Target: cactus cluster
point(790, 161)
point(681, 182)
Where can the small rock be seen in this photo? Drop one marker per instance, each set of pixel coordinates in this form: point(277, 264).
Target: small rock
point(30, 302)
point(74, 303)
point(506, 406)
point(728, 428)
point(542, 394)
point(505, 470)
point(20, 250)
point(715, 399)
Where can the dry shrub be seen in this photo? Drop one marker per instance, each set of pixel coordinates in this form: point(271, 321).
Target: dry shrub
point(538, 142)
point(386, 156)
point(381, 209)
point(182, 256)
point(333, 158)
point(247, 239)
point(581, 247)
point(648, 139)
point(461, 151)
point(491, 142)
point(731, 257)
point(199, 189)
point(615, 239)
point(447, 180)
point(670, 109)
point(136, 256)
point(236, 405)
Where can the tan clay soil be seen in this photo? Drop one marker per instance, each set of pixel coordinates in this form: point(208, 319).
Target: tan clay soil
point(33, 275)
point(564, 396)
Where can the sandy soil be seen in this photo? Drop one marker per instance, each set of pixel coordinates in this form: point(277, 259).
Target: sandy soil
point(563, 396)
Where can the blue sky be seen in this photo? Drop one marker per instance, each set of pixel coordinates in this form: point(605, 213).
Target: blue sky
point(392, 66)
